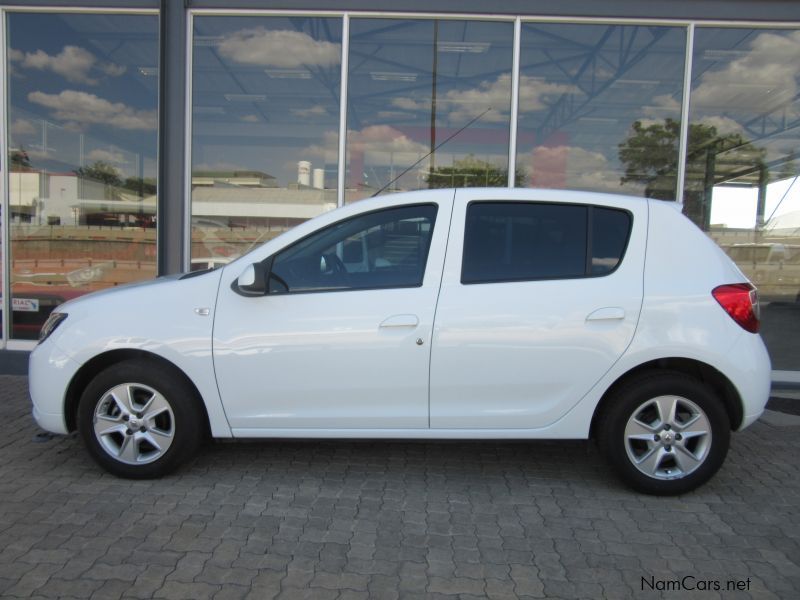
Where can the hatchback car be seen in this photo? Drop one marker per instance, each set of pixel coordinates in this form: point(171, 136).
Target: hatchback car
point(442, 314)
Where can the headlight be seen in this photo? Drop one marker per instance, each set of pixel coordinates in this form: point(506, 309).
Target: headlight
point(54, 320)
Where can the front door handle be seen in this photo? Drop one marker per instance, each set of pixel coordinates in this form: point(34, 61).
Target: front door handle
point(408, 321)
point(609, 313)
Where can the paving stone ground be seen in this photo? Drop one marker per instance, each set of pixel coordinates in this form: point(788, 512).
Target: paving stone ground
point(329, 520)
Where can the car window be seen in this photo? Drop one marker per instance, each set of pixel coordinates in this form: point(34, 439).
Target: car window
point(381, 249)
point(611, 229)
point(513, 241)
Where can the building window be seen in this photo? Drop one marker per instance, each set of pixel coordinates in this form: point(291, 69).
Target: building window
point(265, 129)
point(82, 139)
point(741, 166)
point(599, 107)
point(417, 84)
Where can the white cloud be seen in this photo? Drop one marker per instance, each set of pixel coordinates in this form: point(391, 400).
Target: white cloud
point(372, 139)
point(761, 80)
point(113, 70)
point(724, 125)
point(278, 48)
point(250, 119)
point(537, 94)
point(73, 63)
point(327, 150)
point(574, 167)
point(463, 105)
point(534, 95)
point(662, 106)
point(81, 109)
point(383, 138)
point(404, 103)
point(107, 156)
point(23, 127)
point(314, 111)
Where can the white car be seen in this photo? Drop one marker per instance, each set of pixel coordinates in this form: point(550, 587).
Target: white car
point(441, 314)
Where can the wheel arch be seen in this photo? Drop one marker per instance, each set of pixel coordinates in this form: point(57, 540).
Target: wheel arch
point(699, 370)
point(92, 367)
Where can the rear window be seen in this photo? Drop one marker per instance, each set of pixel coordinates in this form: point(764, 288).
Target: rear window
point(514, 241)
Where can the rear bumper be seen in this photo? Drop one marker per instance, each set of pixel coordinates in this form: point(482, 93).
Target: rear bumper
point(751, 374)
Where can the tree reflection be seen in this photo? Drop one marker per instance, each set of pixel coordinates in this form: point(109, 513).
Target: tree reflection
point(650, 157)
point(471, 172)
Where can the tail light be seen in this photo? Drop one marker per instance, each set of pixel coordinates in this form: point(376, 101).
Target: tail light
point(740, 301)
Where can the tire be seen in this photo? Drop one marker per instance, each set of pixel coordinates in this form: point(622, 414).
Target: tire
point(139, 420)
point(693, 433)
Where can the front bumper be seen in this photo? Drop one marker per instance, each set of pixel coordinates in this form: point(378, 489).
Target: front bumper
point(50, 371)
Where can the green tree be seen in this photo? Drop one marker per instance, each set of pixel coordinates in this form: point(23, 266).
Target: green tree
point(143, 187)
point(19, 160)
point(470, 172)
point(102, 172)
point(650, 156)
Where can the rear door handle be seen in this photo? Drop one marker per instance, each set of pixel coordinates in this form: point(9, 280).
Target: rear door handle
point(408, 321)
point(609, 313)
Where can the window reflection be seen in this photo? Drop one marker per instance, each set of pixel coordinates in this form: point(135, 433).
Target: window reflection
point(418, 84)
point(599, 107)
point(741, 171)
point(265, 128)
point(83, 96)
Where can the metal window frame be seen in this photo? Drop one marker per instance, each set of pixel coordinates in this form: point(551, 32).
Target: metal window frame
point(4, 184)
point(683, 139)
point(187, 144)
point(344, 84)
point(514, 116)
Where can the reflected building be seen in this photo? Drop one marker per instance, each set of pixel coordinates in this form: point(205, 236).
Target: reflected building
point(131, 155)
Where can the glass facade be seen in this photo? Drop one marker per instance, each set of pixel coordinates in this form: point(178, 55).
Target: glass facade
point(428, 105)
point(82, 143)
point(586, 95)
point(428, 102)
point(741, 166)
point(265, 129)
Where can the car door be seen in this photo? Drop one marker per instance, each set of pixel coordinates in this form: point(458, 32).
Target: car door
point(341, 340)
point(535, 305)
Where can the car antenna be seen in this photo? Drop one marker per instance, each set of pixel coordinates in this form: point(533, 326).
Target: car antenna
point(439, 145)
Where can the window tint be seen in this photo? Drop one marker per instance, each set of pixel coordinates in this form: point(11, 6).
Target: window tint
point(508, 241)
point(387, 248)
point(610, 231)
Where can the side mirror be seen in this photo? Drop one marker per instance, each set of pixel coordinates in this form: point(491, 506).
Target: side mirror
point(252, 281)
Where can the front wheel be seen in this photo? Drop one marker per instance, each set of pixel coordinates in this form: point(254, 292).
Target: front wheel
point(664, 433)
point(138, 420)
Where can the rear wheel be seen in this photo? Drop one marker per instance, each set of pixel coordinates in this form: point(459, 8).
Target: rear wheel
point(138, 420)
point(664, 433)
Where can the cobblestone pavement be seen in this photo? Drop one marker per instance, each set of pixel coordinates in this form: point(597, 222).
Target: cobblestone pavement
point(387, 520)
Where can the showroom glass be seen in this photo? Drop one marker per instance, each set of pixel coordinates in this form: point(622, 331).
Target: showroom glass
point(517, 241)
point(413, 84)
point(589, 98)
point(265, 123)
point(82, 141)
point(742, 166)
point(382, 249)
